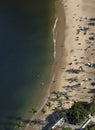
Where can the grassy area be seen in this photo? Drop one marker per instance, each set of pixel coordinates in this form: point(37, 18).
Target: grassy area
point(67, 128)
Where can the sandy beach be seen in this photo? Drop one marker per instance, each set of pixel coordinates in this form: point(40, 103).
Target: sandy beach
point(73, 73)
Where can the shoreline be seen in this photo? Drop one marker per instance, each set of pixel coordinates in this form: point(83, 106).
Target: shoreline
point(54, 67)
point(73, 68)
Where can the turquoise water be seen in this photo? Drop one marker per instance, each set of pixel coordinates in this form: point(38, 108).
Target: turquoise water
point(26, 51)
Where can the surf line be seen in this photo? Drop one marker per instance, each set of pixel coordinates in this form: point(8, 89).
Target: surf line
point(54, 36)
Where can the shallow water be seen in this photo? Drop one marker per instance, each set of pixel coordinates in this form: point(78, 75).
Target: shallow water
point(26, 52)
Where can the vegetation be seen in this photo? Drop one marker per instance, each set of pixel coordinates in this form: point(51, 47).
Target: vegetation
point(91, 126)
point(33, 111)
point(57, 96)
point(60, 103)
point(18, 124)
point(49, 104)
point(43, 111)
point(79, 111)
point(67, 97)
point(67, 128)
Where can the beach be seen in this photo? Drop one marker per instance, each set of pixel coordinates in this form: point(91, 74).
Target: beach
point(73, 72)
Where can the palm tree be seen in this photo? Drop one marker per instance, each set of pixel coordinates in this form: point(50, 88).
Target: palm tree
point(33, 111)
point(43, 111)
point(18, 124)
point(60, 103)
point(49, 104)
point(67, 97)
point(57, 96)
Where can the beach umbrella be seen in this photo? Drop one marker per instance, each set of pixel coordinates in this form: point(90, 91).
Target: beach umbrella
point(93, 83)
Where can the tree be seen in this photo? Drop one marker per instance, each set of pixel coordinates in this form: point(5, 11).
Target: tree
point(49, 104)
point(43, 111)
point(18, 124)
point(77, 113)
point(33, 111)
point(67, 97)
point(57, 96)
point(60, 103)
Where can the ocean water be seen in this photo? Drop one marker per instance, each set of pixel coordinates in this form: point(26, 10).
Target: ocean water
point(26, 51)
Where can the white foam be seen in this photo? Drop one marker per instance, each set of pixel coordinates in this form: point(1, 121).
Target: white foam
point(55, 23)
point(54, 36)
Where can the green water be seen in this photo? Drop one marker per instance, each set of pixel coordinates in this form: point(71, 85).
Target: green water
point(26, 55)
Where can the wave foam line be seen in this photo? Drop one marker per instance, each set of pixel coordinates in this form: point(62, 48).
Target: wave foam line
point(54, 36)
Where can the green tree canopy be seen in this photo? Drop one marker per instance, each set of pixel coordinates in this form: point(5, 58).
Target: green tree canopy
point(77, 113)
